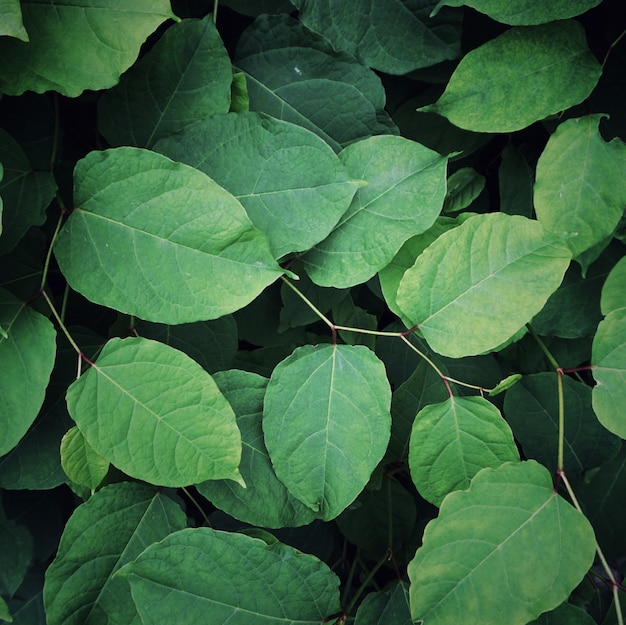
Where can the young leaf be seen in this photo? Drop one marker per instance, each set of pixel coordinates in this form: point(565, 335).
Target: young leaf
point(521, 76)
point(464, 186)
point(235, 579)
point(171, 425)
point(265, 501)
point(392, 36)
point(296, 75)
point(452, 441)
point(475, 286)
point(509, 525)
point(27, 352)
point(292, 185)
point(326, 423)
point(113, 527)
point(581, 183)
point(185, 77)
point(11, 24)
point(124, 247)
point(82, 464)
point(608, 361)
point(77, 44)
point(403, 195)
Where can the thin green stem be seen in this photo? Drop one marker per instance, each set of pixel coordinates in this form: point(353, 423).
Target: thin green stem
point(543, 347)
point(46, 266)
point(61, 324)
point(366, 331)
point(611, 47)
point(198, 507)
point(559, 382)
point(367, 581)
point(309, 303)
point(215, 6)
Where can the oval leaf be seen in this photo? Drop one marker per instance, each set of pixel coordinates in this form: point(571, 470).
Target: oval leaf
point(524, 75)
point(475, 286)
point(235, 579)
point(126, 248)
point(171, 425)
point(452, 441)
point(80, 461)
point(403, 195)
point(509, 525)
point(327, 424)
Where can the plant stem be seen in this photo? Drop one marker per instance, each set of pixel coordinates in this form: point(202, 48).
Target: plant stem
point(367, 581)
point(215, 5)
point(46, 266)
point(559, 383)
point(309, 303)
point(543, 347)
point(198, 506)
point(61, 324)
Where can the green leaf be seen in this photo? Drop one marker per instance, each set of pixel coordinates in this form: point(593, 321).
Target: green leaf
point(326, 423)
point(27, 352)
point(613, 294)
point(185, 77)
point(292, 185)
point(82, 464)
point(296, 75)
point(11, 24)
point(515, 179)
point(390, 607)
point(565, 614)
point(608, 360)
point(452, 441)
point(523, 75)
point(506, 384)
point(400, 175)
point(124, 247)
point(464, 186)
point(171, 424)
point(77, 44)
point(5, 615)
point(16, 554)
point(235, 579)
point(475, 286)
point(580, 186)
point(532, 410)
point(257, 7)
point(240, 101)
point(265, 501)
point(25, 193)
point(112, 528)
point(524, 12)
point(509, 525)
point(392, 36)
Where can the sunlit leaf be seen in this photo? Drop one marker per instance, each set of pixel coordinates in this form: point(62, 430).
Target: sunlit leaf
point(11, 23)
point(613, 291)
point(171, 425)
point(82, 464)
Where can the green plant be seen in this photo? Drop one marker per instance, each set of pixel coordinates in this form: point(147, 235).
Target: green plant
point(312, 312)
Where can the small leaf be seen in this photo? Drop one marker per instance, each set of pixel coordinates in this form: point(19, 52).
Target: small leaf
point(452, 441)
point(608, 360)
point(11, 24)
point(400, 175)
point(464, 186)
point(77, 44)
point(113, 527)
point(124, 247)
point(326, 423)
point(171, 425)
point(82, 464)
point(5, 615)
point(613, 292)
point(185, 77)
point(524, 75)
point(235, 579)
point(505, 384)
point(509, 525)
point(389, 607)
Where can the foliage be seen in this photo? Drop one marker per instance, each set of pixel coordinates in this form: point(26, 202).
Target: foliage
point(312, 312)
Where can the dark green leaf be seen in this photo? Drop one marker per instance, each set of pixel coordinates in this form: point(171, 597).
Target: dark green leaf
point(390, 607)
point(515, 179)
point(464, 186)
point(16, 553)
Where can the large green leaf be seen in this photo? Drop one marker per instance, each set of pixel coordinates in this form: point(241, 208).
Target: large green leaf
point(452, 441)
point(475, 286)
point(524, 75)
point(171, 425)
point(265, 501)
point(504, 551)
point(406, 185)
point(608, 361)
point(27, 352)
point(25, 193)
point(233, 579)
point(613, 293)
point(292, 185)
point(125, 247)
point(524, 12)
point(580, 185)
point(77, 44)
point(185, 77)
point(112, 528)
point(11, 24)
point(326, 423)
point(392, 36)
point(532, 409)
point(296, 75)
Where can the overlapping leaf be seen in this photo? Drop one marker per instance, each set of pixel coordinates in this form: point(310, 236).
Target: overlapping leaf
point(11, 24)
point(82, 464)
point(185, 77)
point(77, 44)
point(475, 286)
point(406, 185)
point(521, 76)
point(389, 607)
point(124, 246)
point(506, 550)
point(171, 425)
point(326, 423)
point(613, 293)
point(235, 579)
point(292, 185)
